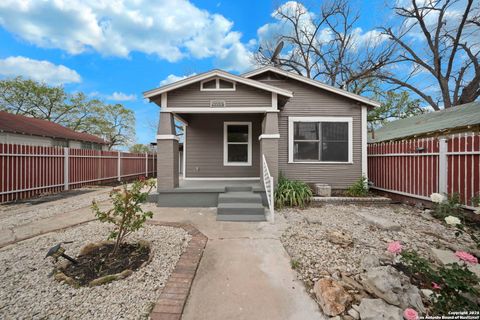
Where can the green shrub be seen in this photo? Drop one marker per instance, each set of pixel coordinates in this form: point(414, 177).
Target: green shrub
point(292, 193)
point(359, 188)
point(451, 206)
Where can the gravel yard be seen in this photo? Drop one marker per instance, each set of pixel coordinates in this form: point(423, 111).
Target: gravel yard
point(30, 292)
point(314, 256)
point(16, 214)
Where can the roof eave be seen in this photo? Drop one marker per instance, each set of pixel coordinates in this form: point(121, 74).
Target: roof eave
point(215, 73)
point(315, 83)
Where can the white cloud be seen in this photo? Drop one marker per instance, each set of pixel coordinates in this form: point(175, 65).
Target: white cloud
point(120, 96)
point(40, 70)
point(170, 29)
point(171, 78)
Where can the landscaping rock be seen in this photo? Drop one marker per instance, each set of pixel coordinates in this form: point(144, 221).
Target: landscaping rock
point(354, 313)
point(375, 309)
point(313, 219)
point(446, 257)
point(332, 298)
point(379, 222)
point(390, 285)
point(340, 237)
point(369, 261)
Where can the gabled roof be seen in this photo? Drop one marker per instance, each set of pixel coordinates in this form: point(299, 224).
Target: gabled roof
point(450, 119)
point(312, 82)
point(19, 124)
point(216, 73)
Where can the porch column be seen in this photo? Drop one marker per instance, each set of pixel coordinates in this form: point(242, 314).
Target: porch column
point(269, 144)
point(167, 153)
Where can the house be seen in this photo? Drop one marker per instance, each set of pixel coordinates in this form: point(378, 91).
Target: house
point(237, 127)
point(459, 119)
point(18, 129)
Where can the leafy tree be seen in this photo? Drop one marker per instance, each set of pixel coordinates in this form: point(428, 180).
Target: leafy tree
point(76, 111)
point(394, 105)
point(139, 148)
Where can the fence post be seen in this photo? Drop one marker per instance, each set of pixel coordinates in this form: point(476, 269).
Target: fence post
point(66, 164)
point(119, 163)
point(146, 164)
point(442, 166)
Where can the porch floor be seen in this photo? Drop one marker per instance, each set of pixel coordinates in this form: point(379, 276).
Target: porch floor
point(217, 185)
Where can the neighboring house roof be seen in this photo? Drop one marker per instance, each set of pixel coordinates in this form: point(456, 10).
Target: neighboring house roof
point(454, 118)
point(312, 82)
point(19, 124)
point(216, 73)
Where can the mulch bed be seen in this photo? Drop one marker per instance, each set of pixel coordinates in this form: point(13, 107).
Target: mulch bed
point(100, 262)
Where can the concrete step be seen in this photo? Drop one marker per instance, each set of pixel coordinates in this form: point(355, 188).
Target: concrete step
point(241, 217)
point(238, 188)
point(240, 208)
point(239, 197)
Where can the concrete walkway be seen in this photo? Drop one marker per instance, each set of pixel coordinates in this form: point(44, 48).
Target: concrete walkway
point(245, 272)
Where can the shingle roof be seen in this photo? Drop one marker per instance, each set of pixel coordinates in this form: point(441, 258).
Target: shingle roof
point(25, 125)
point(453, 118)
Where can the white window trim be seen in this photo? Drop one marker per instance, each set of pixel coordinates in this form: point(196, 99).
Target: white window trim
point(217, 85)
point(292, 120)
point(225, 144)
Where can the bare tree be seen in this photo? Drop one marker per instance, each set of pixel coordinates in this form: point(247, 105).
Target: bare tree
point(326, 46)
point(446, 60)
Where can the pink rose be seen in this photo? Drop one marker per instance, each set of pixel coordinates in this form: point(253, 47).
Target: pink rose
point(410, 314)
point(435, 286)
point(467, 257)
point(395, 247)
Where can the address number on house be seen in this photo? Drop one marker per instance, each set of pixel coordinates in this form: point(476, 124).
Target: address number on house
point(218, 103)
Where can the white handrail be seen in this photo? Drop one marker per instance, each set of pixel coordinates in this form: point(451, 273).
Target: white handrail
point(269, 188)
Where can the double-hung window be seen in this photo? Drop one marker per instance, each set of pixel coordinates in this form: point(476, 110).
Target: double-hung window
point(237, 143)
point(320, 139)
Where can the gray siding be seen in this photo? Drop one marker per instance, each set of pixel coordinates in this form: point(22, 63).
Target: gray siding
point(204, 146)
point(311, 101)
point(244, 96)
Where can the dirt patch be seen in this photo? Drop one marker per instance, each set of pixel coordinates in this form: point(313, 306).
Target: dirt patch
point(100, 262)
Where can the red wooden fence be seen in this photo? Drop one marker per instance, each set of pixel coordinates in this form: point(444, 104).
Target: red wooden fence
point(26, 171)
point(420, 167)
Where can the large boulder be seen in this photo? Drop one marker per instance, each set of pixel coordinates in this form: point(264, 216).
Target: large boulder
point(340, 238)
point(379, 222)
point(395, 288)
point(377, 309)
point(332, 297)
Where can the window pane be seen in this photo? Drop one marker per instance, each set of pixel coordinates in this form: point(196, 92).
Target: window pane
point(225, 84)
point(237, 133)
point(335, 151)
point(306, 151)
point(212, 84)
point(336, 131)
point(306, 131)
point(237, 153)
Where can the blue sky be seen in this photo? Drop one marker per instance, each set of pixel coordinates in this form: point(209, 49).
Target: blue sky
point(115, 50)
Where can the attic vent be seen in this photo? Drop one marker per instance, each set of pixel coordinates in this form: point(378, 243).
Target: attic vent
point(218, 103)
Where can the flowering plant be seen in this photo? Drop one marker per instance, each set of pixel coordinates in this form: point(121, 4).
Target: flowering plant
point(452, 283)
point(453, 221)
point(410, 314)
point(466, 257)
point(437, 198)
point(395, 247)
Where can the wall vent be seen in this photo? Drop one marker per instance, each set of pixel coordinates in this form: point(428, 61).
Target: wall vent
point(218, 103)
